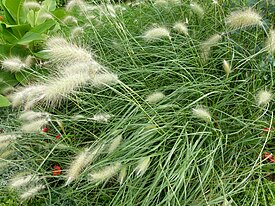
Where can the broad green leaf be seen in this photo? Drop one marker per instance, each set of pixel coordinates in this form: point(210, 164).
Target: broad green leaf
point(4, 102)
point(59, 13)
point(43, 27)
point(14, 7)
point(8, 34)
point(50, 5)
point(31, 18)
point(30, 37)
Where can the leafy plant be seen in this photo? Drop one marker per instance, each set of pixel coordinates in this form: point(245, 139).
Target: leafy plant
point(22, 28)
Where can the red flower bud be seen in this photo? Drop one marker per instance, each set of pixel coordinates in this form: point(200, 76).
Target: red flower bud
point(45, 129)
point(57, 170)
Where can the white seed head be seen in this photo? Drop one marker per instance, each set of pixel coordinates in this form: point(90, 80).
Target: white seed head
point(76, 4)
point(21, 181)
point(62, 87)
point(63, 52)
point(114, 144)
point(101, 117)
point(13, 64)
point(32, 5)
point(197, 9)
point(104, 79)
point(77, 31)
point(244, 18)
point(181, 28)
point(87, 68)
point(208, 43)
point(263, 97)
point(202, 113)
point(106, 173)
point(34, 126)
point(156, 34)
point(161, 2)
point(70, 20)
point(122, 174)
point(31, 192)
point(226, 67)
point(142, 166)
point(155, 97)
point(29, 61)
point(6, 153)
point(215, 2)
point(270, 42)
point(31, 115)
point(8, 137)
point(46, 16)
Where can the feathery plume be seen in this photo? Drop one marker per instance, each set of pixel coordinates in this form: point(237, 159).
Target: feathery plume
point(80, 162)
point(74, 4)
point(61, 87)
point(70, 20)
point(155, 97)
point(104, 79)
point(106, 173)
point(6, 154)
point(122, 175)
point(202, 113)
point(45, 16)
point(240, 19)
point(8, 137)
point(32, 5)
point(31, 115)
point(197, 9)
point(4, 145)
point(13, 64)
point(181, 28)
point(208, 43)
point(270, 42)
point(21, 181)
point(114, 144)
point(161, 2)
point(61, 51)
point(29, 61)
point(34, 126)
point(226, 67)
point(32, 192)
point(101, 117)
point(77, 31)
point(142, 166)
point(156, 34)
point(263, 97)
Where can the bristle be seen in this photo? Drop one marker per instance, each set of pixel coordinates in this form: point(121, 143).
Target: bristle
point(8, 137)
point(101, 117)
point(64, 52)
point(32, 5)
point(6, 153)
point(13, 64)
point(208, 43)
point(263, 97)
point(181, 28)
point(75, 4)
point(197, 9)
point(114, 144)
point(70, 20)
point(226, 67)
point(156, 34)
point(240, 19)
point(155, 97)
point(34, 126)
point(31, 192)
point(106, 173)
point(31, 115)
point(202, 113)
point(29, 61)
point(270, 42)
point(21, 181)
point(142, 166)
point(122, 175)
point(104, 79)
point(77, 31)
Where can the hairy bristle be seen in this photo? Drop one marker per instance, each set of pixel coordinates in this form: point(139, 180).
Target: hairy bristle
point(8, 137)
point(156, 33)
point(208, 43)
point(21, 181)
point(226, 67)
point(31, 192)
point(77, 31)
point(32, 5)
point(31, 115)
point(101, 117)
point(202, 113)
point(181, 28)
point(13, 64)
point(243, 18)
point(70, 20)
point(270, 42)
point(142, 166)
point(197, 9)
point(122, 175)
point(114, 144)
point(34, 126)
point(106, 172)
point(104, 79)
point(263, 97)
point(75, 4)
point(155, 97)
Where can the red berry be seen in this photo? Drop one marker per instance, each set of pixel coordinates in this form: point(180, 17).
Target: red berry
point(45, 129)
point(57, 136)
point(57, 170)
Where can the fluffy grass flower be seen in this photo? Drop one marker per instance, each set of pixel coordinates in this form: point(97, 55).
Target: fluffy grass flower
point(270, 42)
point(22, 180)
point(114, 144)
point(226, 68)
point(202, 113)
point(263, 97)
point(142, 166)
point(155, 97)
point(243, 18)
point(101, 117)
point(70, 20)
point(77, 31)
point(156, 34)
point(63, 52)
point(208, 43)
point(31, 192)
point(181, 28)
point(122, 174)
point(106, 173)
point(104, 79)
point(34, 126)
point(32, 5)
point(31, 115)
point(75, 4)
point(13, 64)
point(197, 9)
point(8, 137)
